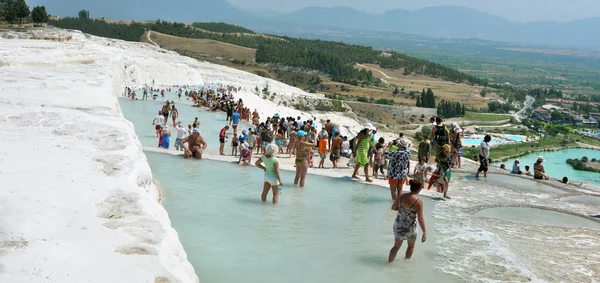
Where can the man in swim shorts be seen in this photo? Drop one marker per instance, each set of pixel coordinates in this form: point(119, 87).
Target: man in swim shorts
point(222, 136)
point(196, 144)
point(158, 121)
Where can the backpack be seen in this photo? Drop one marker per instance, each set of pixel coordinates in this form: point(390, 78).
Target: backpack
point(441, 137)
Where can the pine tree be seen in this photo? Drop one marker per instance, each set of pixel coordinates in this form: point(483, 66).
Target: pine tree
point(430, 98)
point(396, 91)
point(424, 100)
point(419, 101)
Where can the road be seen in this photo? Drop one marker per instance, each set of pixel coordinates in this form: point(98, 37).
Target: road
point(528, 102)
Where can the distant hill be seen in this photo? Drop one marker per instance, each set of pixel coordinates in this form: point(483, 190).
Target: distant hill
point(438, 21)
point(452, 22)
point(173, 10)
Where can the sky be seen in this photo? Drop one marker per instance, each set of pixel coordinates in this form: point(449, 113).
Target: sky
point(517, 10)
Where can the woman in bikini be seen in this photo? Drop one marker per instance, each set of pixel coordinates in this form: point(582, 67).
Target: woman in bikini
point(410, 211)
point(302, 151)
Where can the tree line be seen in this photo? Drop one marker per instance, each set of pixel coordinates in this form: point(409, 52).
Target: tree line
point(335, 59)
point(426, 99)
point(222, 27)
point(450, 109)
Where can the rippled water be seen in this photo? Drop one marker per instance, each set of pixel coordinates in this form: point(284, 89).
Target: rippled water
point(556, 166)
point(333, 230)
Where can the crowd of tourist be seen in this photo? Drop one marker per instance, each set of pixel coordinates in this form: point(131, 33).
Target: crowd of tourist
point(303, 139)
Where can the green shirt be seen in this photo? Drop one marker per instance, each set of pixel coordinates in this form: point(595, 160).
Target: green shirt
point(393, 148)
point(269, 163)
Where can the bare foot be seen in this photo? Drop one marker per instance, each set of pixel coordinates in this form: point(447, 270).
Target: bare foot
point(355, 177)
point(447, 197)
point(368, 180)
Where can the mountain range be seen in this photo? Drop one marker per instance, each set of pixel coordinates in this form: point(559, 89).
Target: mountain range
point(437, 21)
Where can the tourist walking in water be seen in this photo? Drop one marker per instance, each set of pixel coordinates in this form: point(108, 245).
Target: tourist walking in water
point(363, 145)
point(538, 170)
point(196, 145)
point(166, 137)
point(410, 211)
point(302, 150)
point(158, 121)
point(398, 169)
point(222, 136)
point(484, 155)
point(174, 114)
point(181, 131)
point(165, 110)
point(272, 177)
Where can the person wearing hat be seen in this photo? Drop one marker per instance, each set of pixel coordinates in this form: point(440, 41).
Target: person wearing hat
point(302, 154)
point(363, 145)
point(196, 144)
point(398, 168)
point(272, 178)
point(538, 170)
point(158, 121)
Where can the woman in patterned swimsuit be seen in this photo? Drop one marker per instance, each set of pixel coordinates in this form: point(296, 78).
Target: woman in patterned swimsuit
point(410, 210)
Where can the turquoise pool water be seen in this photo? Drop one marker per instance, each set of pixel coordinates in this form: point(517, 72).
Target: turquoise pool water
point(515, 138)
point(335, 230)
point(330, 231)
point(556, 166)
point(141, 113)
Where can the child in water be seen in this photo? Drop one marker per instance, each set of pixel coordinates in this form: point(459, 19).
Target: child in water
point(234, 145)
point(420, 173)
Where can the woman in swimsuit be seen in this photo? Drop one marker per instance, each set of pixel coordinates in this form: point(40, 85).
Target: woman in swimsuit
point(362, 159)
point(410, 210)
point(302, 151)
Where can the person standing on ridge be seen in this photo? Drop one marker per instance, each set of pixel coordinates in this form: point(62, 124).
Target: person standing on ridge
point(364, 144)
point(484, 155)
point(440, 135)
point(235, 118)
point(329, 129)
